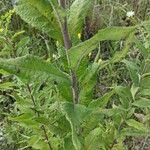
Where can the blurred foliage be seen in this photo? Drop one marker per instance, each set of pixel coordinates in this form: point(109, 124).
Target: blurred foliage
point(36, 109)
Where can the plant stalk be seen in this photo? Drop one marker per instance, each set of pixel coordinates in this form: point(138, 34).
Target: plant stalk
point(68, 45)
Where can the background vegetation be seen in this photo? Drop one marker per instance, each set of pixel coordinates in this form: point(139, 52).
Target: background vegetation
point(90, 93)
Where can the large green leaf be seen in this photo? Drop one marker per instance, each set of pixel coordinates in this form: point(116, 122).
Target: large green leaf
point(31, 67)
point(75, 114)
point(114, 33)
point(39, 14)
point(77, 13)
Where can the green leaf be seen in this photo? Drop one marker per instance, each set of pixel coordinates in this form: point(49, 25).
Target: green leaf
point(133, 132)
point(93, 139)
point(68, 145)
point(119, 55)
point(102, 101)
point(146, 24)
point(43, 120)
point(133, 70)
point(65, 91)
point(137, 125)
point(145, 82)
point(24, 105)
point(142, 103)
point(30, 67)
point(134, 90)
point(26, 120)
point(7, 85)
point(125, 95)
point(76, 53)
point(36, 143)
point(77, 13)
point(145, 92)
point(141, 48)
point(88, 82)
point(39, 14)
point(75, 114)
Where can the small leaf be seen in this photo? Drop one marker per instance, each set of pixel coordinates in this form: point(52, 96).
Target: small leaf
point(7, 85)
point(125, 95)
point(133, 70)
point(146, 24)
point(102, 101)
point(133, 132)
point(142, 103)
point(137, 125)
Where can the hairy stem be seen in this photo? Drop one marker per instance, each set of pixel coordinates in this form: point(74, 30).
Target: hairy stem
point(68, 45)
point(42, 127)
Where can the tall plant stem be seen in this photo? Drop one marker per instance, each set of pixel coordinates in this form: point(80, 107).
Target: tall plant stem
point(42, 127)
point(68, 45)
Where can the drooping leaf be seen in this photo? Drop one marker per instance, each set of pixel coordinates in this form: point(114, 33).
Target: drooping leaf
point(39, 14)
point(76, 53)
point(31, 67)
